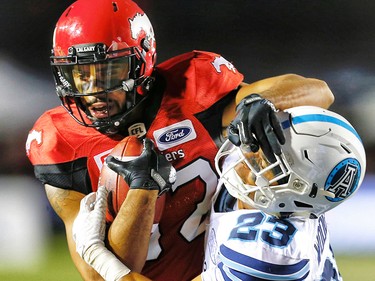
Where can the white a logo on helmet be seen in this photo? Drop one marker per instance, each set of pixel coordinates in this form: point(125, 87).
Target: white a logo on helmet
point(343, 179)
point(141, 23)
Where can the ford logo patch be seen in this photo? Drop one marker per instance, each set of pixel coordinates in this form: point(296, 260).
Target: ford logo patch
point(175, 135)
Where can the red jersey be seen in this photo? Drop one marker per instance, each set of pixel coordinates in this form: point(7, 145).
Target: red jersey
point(186, 129)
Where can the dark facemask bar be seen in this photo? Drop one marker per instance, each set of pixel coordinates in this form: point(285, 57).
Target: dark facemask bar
point(89, 53)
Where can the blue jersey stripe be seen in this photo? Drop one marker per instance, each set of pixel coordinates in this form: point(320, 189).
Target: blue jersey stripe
point(247, 265)
point(320, 118)
point(229, 274)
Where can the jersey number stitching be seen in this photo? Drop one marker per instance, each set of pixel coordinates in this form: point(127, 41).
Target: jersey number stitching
point(193, 226)
point(275, 232)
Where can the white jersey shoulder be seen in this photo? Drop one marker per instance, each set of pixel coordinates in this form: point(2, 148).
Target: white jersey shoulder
point(251, 245)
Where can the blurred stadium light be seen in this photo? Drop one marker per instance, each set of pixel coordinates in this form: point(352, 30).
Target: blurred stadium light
point(351, 225)
point(25, 225)
point(24, 95)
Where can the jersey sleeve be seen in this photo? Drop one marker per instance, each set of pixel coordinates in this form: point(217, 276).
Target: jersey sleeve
point(54, 158)
point(45, 145)
point(200, 79)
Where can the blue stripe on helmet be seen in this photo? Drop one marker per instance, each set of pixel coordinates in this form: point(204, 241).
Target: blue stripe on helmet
point(320, 118)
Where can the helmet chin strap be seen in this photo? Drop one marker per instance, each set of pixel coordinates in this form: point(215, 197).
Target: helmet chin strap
point(326, 193)
point(128, 85)
point(120, 123)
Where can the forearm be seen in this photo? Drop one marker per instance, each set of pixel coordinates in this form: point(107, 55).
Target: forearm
point(133, 276)
point(86, 271)
point(290, 90)
point(66, 205)
point(129, 234)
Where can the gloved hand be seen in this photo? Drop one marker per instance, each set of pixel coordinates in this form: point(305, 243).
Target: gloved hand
point(149, 171)
point(89, 225)
point(256, 124)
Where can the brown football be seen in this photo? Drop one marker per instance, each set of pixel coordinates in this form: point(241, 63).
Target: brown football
point(126, 150)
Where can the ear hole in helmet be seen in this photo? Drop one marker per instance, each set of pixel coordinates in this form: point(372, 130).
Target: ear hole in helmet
point(285, 215)
point(314, 190)
point(67, 101)
point(302, 205)
point(115, 8)
point(347, 149)
point(306, 154)
point(68, 11)
point(145, 44)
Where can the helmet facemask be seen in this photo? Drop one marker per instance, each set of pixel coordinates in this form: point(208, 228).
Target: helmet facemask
point(92, 74)
point(250, 177)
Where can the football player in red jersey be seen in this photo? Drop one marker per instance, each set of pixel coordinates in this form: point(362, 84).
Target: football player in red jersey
point(104, 56)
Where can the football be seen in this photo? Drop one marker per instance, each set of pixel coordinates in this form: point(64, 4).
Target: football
point(126, 150)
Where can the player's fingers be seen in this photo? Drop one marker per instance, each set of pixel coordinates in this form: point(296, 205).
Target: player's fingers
point(148, 145)
point(247, 139)
point(272, 140)
point(87, 202)
point(278, 130)
point(244, 133)
point(264, 142)
point(110, 161)
point(148, 150)
point(102, 192)
point(101, 198)
point(233, 135)
point(115, 164)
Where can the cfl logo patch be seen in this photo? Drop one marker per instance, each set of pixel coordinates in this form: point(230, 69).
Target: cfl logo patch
point(343, 179)
point(137, 129)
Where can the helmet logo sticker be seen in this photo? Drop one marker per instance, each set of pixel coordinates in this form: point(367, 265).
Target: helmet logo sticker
point(139, 23)
point(219, 61)
point(174, 135)
point(343, 179)
point(84, 49)
point(63, 81)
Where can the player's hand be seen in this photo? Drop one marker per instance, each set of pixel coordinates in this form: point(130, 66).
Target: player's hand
point(256, 124)
point(149, 171)
point(89, 225)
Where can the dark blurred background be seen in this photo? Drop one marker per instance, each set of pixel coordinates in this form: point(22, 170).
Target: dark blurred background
point(330, 40)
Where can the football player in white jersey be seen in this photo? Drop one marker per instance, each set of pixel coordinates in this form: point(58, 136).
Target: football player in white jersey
point(268, 220)
point(276, 230)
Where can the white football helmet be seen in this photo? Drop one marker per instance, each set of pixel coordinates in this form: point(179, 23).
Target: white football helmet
point(322, 164)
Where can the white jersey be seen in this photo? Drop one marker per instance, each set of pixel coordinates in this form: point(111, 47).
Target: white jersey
point(251, 245)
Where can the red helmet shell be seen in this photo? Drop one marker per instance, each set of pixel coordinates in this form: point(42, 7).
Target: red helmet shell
point(117, 24)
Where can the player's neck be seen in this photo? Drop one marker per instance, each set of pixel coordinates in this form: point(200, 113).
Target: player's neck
point(243, 205)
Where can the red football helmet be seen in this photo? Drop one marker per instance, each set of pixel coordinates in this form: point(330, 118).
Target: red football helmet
point(101, 47)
